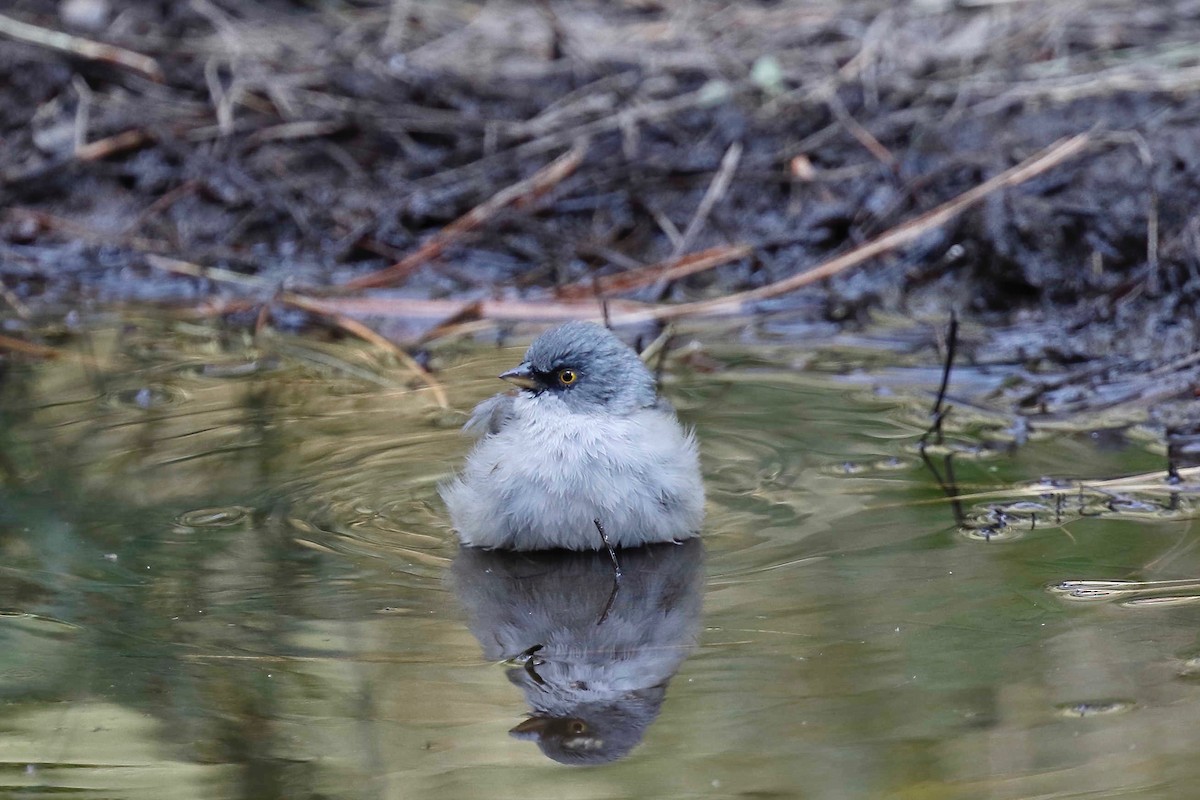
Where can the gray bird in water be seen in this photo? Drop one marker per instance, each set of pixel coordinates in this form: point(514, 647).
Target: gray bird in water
point(586, 443)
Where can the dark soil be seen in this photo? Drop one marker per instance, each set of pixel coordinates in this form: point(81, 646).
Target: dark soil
point(306, 144)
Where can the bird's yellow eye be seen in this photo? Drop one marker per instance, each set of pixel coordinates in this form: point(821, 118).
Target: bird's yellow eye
point(576, 727)
point(567, 376)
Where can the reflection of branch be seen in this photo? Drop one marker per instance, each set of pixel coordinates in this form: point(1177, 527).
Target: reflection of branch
point(365, 333)
point(78, 46)
point(531, 662)
point(948, 484)
point(8, 470)
point(351, 326)
point(29, 348)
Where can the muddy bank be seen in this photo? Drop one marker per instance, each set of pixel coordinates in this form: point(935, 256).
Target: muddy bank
point(235, 156)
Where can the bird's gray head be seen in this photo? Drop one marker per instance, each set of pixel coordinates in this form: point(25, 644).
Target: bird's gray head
point(588, 368)
point(595, 733)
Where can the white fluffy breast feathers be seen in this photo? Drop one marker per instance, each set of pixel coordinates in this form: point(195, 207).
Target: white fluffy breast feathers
point(570, 453)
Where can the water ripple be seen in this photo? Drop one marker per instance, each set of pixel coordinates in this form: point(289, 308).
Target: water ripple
point(226, 517)
point(1095, 708)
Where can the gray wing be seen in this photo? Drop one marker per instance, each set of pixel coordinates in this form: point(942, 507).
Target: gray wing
point(490, 415)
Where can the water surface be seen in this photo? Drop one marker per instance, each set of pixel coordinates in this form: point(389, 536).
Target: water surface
point(226, 571)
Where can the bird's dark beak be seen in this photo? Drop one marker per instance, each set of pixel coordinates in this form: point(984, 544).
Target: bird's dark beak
point(532, 728)
point(522, 376)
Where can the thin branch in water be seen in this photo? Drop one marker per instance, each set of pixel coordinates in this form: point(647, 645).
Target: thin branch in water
point(938, 412)
point(951, 350)
point(611, 552)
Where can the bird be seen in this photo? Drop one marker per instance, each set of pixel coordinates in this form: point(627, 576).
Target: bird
point(584, 455)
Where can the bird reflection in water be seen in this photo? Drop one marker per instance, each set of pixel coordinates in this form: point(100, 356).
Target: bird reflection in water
point(594, 665)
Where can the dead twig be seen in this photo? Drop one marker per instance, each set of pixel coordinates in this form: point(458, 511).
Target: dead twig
point(898, 236)
point(93, 151)
point(14, 345)
point(160, 205)
point(861, 134)
point(215, 307)
point(71, 228)
point(78, 46)
point(713, 195)
point(669, 270)
point(216, 274)
point(519, 193)
point(304, 129)
point(460, 322)
point(14, 302)
point(118, 143)
point(625, 312)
